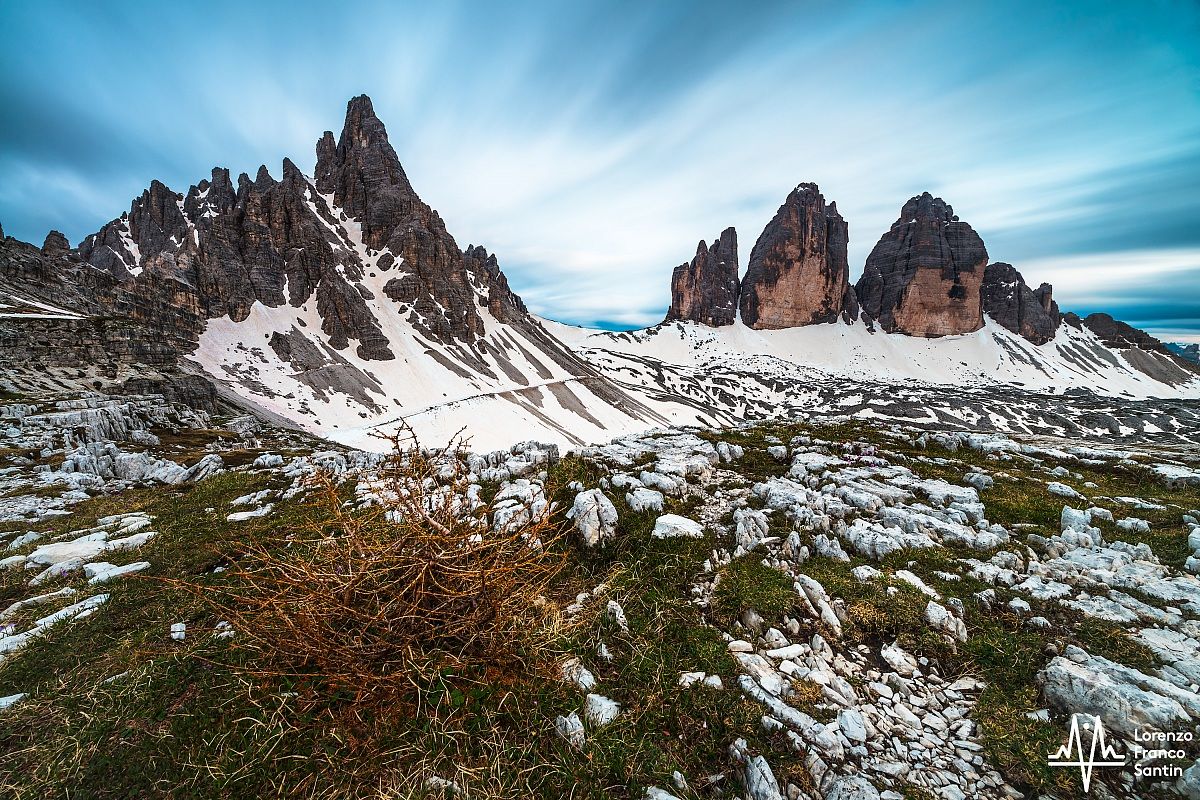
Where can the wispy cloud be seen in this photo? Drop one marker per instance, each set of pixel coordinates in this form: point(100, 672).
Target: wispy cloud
point(592, 144)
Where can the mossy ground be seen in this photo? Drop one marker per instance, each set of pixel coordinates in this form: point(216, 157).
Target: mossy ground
point(188, 720)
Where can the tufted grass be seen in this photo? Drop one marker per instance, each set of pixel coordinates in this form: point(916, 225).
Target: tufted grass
point(190, 720)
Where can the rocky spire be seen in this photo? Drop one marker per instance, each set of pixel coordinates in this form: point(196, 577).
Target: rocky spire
point(56, 244)
point(923, 277)
point(798, 273)
point(1009, 301)
point(364, 175)
point(706, 290)
point(156, 221)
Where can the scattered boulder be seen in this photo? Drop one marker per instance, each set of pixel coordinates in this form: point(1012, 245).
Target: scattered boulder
point(642, 499)
point(673, 526)
point(595, 517)
point(851, 787)
point(570, 728)
point(599, 710)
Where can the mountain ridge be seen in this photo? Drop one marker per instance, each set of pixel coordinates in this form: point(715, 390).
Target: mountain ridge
point(340, 303)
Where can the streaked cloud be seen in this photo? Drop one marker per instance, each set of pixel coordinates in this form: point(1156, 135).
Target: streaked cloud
point(592, 144)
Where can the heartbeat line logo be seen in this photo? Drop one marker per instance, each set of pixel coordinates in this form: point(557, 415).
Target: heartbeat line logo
point(1099, 754)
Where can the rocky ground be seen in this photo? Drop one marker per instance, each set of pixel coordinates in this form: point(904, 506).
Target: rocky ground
point(783, 609)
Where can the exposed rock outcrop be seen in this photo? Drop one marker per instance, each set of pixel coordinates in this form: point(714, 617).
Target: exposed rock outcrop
point(1009, 301)
point(76, 319)
point(706, 290)
point(1186, 351)
point(56, 244)
point(923, 278)
point(502, 302)
point(320, 238)
point(1114, 333)
point(798, 273)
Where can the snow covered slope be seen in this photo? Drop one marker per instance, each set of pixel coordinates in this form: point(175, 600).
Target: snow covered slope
point(1074, 359)
point(511, 384)
point(992, 379)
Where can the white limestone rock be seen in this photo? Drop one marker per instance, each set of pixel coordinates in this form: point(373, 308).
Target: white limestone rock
point(851, 787)
point(673, 526)
point(642, 499)
point(1062, 490)
point(1124, 698)
point(573, 671)
point(599, 711)
point(570, 728)
point(938, 616)
point(595, 517)
point(752, 527)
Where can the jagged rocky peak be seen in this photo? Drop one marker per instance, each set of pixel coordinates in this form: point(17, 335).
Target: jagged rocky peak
point(706, 290)
point(210, 198)
point(798, 273)
point(502, 302)
point(234, 243)
point(924, 275)
point(56, 244)
point(155, 225)
point(1008, 300)
point(364, 176)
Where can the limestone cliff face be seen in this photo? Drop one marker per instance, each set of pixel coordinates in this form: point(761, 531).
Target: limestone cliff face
point(706, 290)
point(1009, 301)
point(798, 273)
point(295, 239)
point(924, 275)
point(100, 325)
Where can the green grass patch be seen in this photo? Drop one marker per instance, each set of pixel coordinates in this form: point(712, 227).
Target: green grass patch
point(1111, 641)
point(1017, 746)
point(746, 583)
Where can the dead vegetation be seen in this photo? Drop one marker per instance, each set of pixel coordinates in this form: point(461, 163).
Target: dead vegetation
point(376, 603)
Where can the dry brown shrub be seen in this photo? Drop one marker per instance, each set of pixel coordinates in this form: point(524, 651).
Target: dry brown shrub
point(374, 603)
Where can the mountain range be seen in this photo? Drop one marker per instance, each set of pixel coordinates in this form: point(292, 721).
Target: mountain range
point(807, 537)
point(338, 302)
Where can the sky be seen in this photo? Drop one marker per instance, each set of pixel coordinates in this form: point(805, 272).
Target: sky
point(592, 145)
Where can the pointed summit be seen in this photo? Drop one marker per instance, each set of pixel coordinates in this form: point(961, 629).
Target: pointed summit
point(364, 175)
point(362, 128)
point(798, 273)
point(706, 290)
point(56, 244)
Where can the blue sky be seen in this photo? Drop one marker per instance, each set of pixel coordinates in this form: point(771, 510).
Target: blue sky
point(591, 145)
